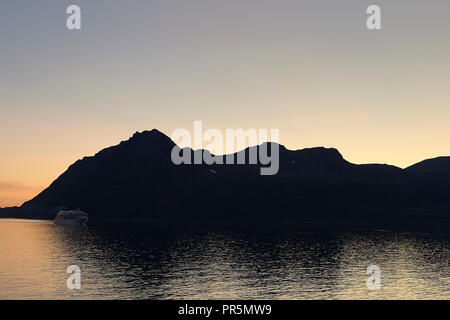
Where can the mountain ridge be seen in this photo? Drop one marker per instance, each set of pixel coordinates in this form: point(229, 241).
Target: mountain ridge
point(137, 179)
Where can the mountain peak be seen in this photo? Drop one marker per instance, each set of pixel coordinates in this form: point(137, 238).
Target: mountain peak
point(150, 136)
point(149, 133)
point(321, 153)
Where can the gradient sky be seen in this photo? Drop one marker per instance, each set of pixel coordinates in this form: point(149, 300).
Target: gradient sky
point(309, 68)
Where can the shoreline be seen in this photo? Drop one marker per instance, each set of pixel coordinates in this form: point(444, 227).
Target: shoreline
point(439, 227)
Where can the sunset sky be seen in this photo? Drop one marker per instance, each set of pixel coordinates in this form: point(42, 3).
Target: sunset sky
point(309, 68)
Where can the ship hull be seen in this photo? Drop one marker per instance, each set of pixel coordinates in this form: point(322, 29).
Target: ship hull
point(77, 222)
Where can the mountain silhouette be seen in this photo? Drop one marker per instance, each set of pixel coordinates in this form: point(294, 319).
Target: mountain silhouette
point(436, 166)
point(136, 179)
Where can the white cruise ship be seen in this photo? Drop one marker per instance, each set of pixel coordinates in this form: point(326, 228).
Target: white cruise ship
point(71, 217)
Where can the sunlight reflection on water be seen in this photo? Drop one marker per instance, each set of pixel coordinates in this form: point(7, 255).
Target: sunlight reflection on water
point(163, 261)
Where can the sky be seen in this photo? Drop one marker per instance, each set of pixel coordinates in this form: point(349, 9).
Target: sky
point(311, 69)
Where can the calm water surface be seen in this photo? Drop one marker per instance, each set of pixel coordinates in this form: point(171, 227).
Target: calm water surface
point(166, 261)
